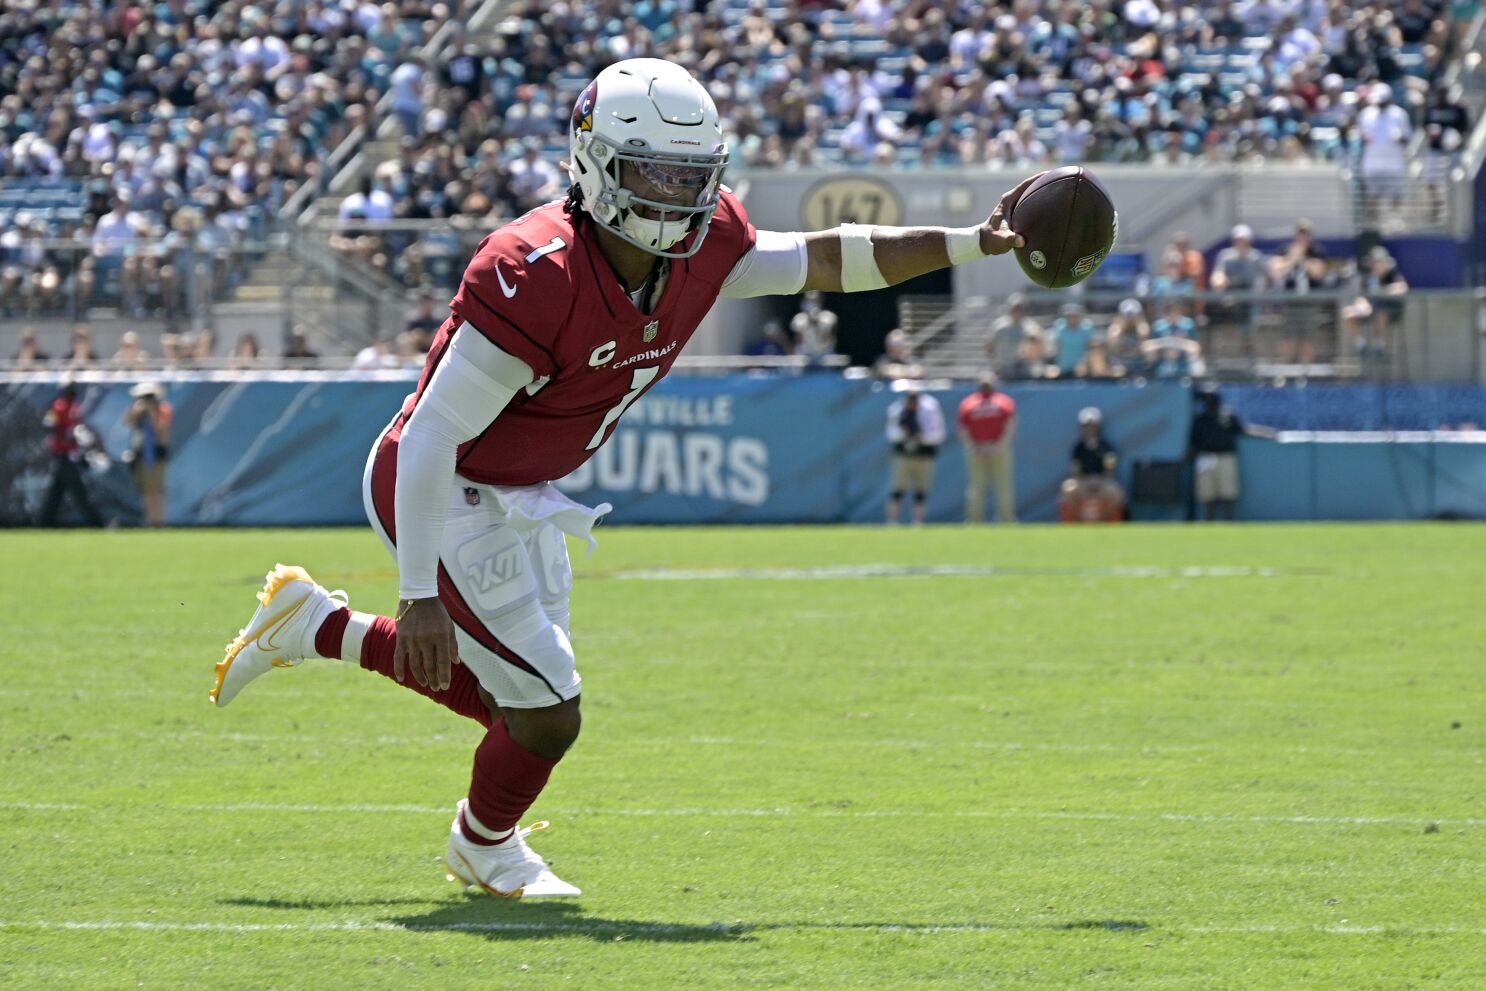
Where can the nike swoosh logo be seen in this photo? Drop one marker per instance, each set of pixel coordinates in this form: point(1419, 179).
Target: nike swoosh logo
point(508, 290)
point(274, 625)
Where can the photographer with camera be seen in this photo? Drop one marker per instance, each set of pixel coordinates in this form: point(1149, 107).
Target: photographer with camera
point(150, 417)
point(915, 428)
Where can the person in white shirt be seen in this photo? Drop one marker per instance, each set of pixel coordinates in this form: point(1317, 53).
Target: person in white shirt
point(372, 203)
point(1142, 13)
point(1261, 16)
point(814, 328)
point(33, 155)
point(1071, 135)
point(1385, 130)
point(875, 14)
point(376, 355)
point(267, 51)
point(407, 95)
point(915, 428)
point(868, 128)
point(966, 44)
point(534, 180)
point(855, 87)
point(114, 246)
point(94, 136)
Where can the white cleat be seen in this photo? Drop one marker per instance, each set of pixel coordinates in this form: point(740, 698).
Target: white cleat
point(280, 634)
point(509, 870)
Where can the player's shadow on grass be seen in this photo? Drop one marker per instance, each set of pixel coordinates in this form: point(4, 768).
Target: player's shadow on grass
point(495, 919)
point(513, 920)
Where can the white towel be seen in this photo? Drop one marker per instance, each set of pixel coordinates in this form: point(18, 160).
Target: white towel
point(531, 506)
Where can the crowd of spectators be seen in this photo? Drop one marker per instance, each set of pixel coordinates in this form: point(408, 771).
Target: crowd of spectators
point(908, 84)
point(1161, 330)
point(141, 143)
point(1025, 83)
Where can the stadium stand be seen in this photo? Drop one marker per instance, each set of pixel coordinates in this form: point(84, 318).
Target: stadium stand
point(146, 150)
point(912, 85)
point(137, 136)
point(1027, 83)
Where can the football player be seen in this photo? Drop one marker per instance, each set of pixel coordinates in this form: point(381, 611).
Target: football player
point(564, 318)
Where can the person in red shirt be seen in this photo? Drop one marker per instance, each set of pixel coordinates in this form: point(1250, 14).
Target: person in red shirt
point(62, 420)
point(564, 318)
point(987, 427)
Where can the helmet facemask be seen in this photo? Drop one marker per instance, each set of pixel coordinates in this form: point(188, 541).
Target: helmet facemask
point(651, 200)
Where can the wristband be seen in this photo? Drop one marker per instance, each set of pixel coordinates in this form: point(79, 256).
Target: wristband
point(962, 244)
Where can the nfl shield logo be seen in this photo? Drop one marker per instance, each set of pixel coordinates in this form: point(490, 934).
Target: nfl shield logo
point(472, 497)
point(651, 329)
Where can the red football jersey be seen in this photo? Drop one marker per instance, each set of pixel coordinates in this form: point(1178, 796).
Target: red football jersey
point(62, 420)
point(541, 289)
point(984, 417)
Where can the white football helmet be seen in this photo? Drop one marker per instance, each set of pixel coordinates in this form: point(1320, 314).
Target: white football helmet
point(648, 121)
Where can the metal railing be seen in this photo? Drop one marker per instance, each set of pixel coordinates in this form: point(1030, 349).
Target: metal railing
point(309, 282)
point(1331, 333)
point(179, 281)
point(395, 368)
point(390, 255)
point(1468, 68)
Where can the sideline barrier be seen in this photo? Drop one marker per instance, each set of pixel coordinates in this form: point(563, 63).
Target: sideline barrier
point(1363, 476)
point(288, 449)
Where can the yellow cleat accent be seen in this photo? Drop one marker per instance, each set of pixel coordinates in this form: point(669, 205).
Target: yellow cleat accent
point(265, 626)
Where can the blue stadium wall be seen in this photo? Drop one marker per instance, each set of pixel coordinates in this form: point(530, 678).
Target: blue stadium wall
point(289, 450)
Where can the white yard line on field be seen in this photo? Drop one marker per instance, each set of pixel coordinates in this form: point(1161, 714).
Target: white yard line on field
point(472, 737)
point(621, 929)
point(318, 808)
point(105, 692)
point(834, 571)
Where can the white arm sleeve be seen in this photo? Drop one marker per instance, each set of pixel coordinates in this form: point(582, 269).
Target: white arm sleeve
point(776, 265)
point(473, 383)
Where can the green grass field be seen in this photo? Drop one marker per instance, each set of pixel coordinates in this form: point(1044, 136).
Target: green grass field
point(1146, 758)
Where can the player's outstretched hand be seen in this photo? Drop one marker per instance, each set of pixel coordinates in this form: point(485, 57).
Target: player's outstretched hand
point(425, 643)
point(996, 235)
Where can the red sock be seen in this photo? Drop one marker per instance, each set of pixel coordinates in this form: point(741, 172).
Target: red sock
point(507, 780)
point(377, 648)
point(332, 629)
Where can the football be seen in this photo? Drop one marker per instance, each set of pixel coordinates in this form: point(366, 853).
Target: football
point(1070, 225)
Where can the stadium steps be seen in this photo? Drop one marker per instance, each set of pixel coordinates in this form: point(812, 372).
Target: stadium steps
point(939, 336)
point(1270, 202)
point(281, 288)
point(266, 280)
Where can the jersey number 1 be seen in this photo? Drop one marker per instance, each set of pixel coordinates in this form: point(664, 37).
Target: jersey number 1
point(637, 383)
